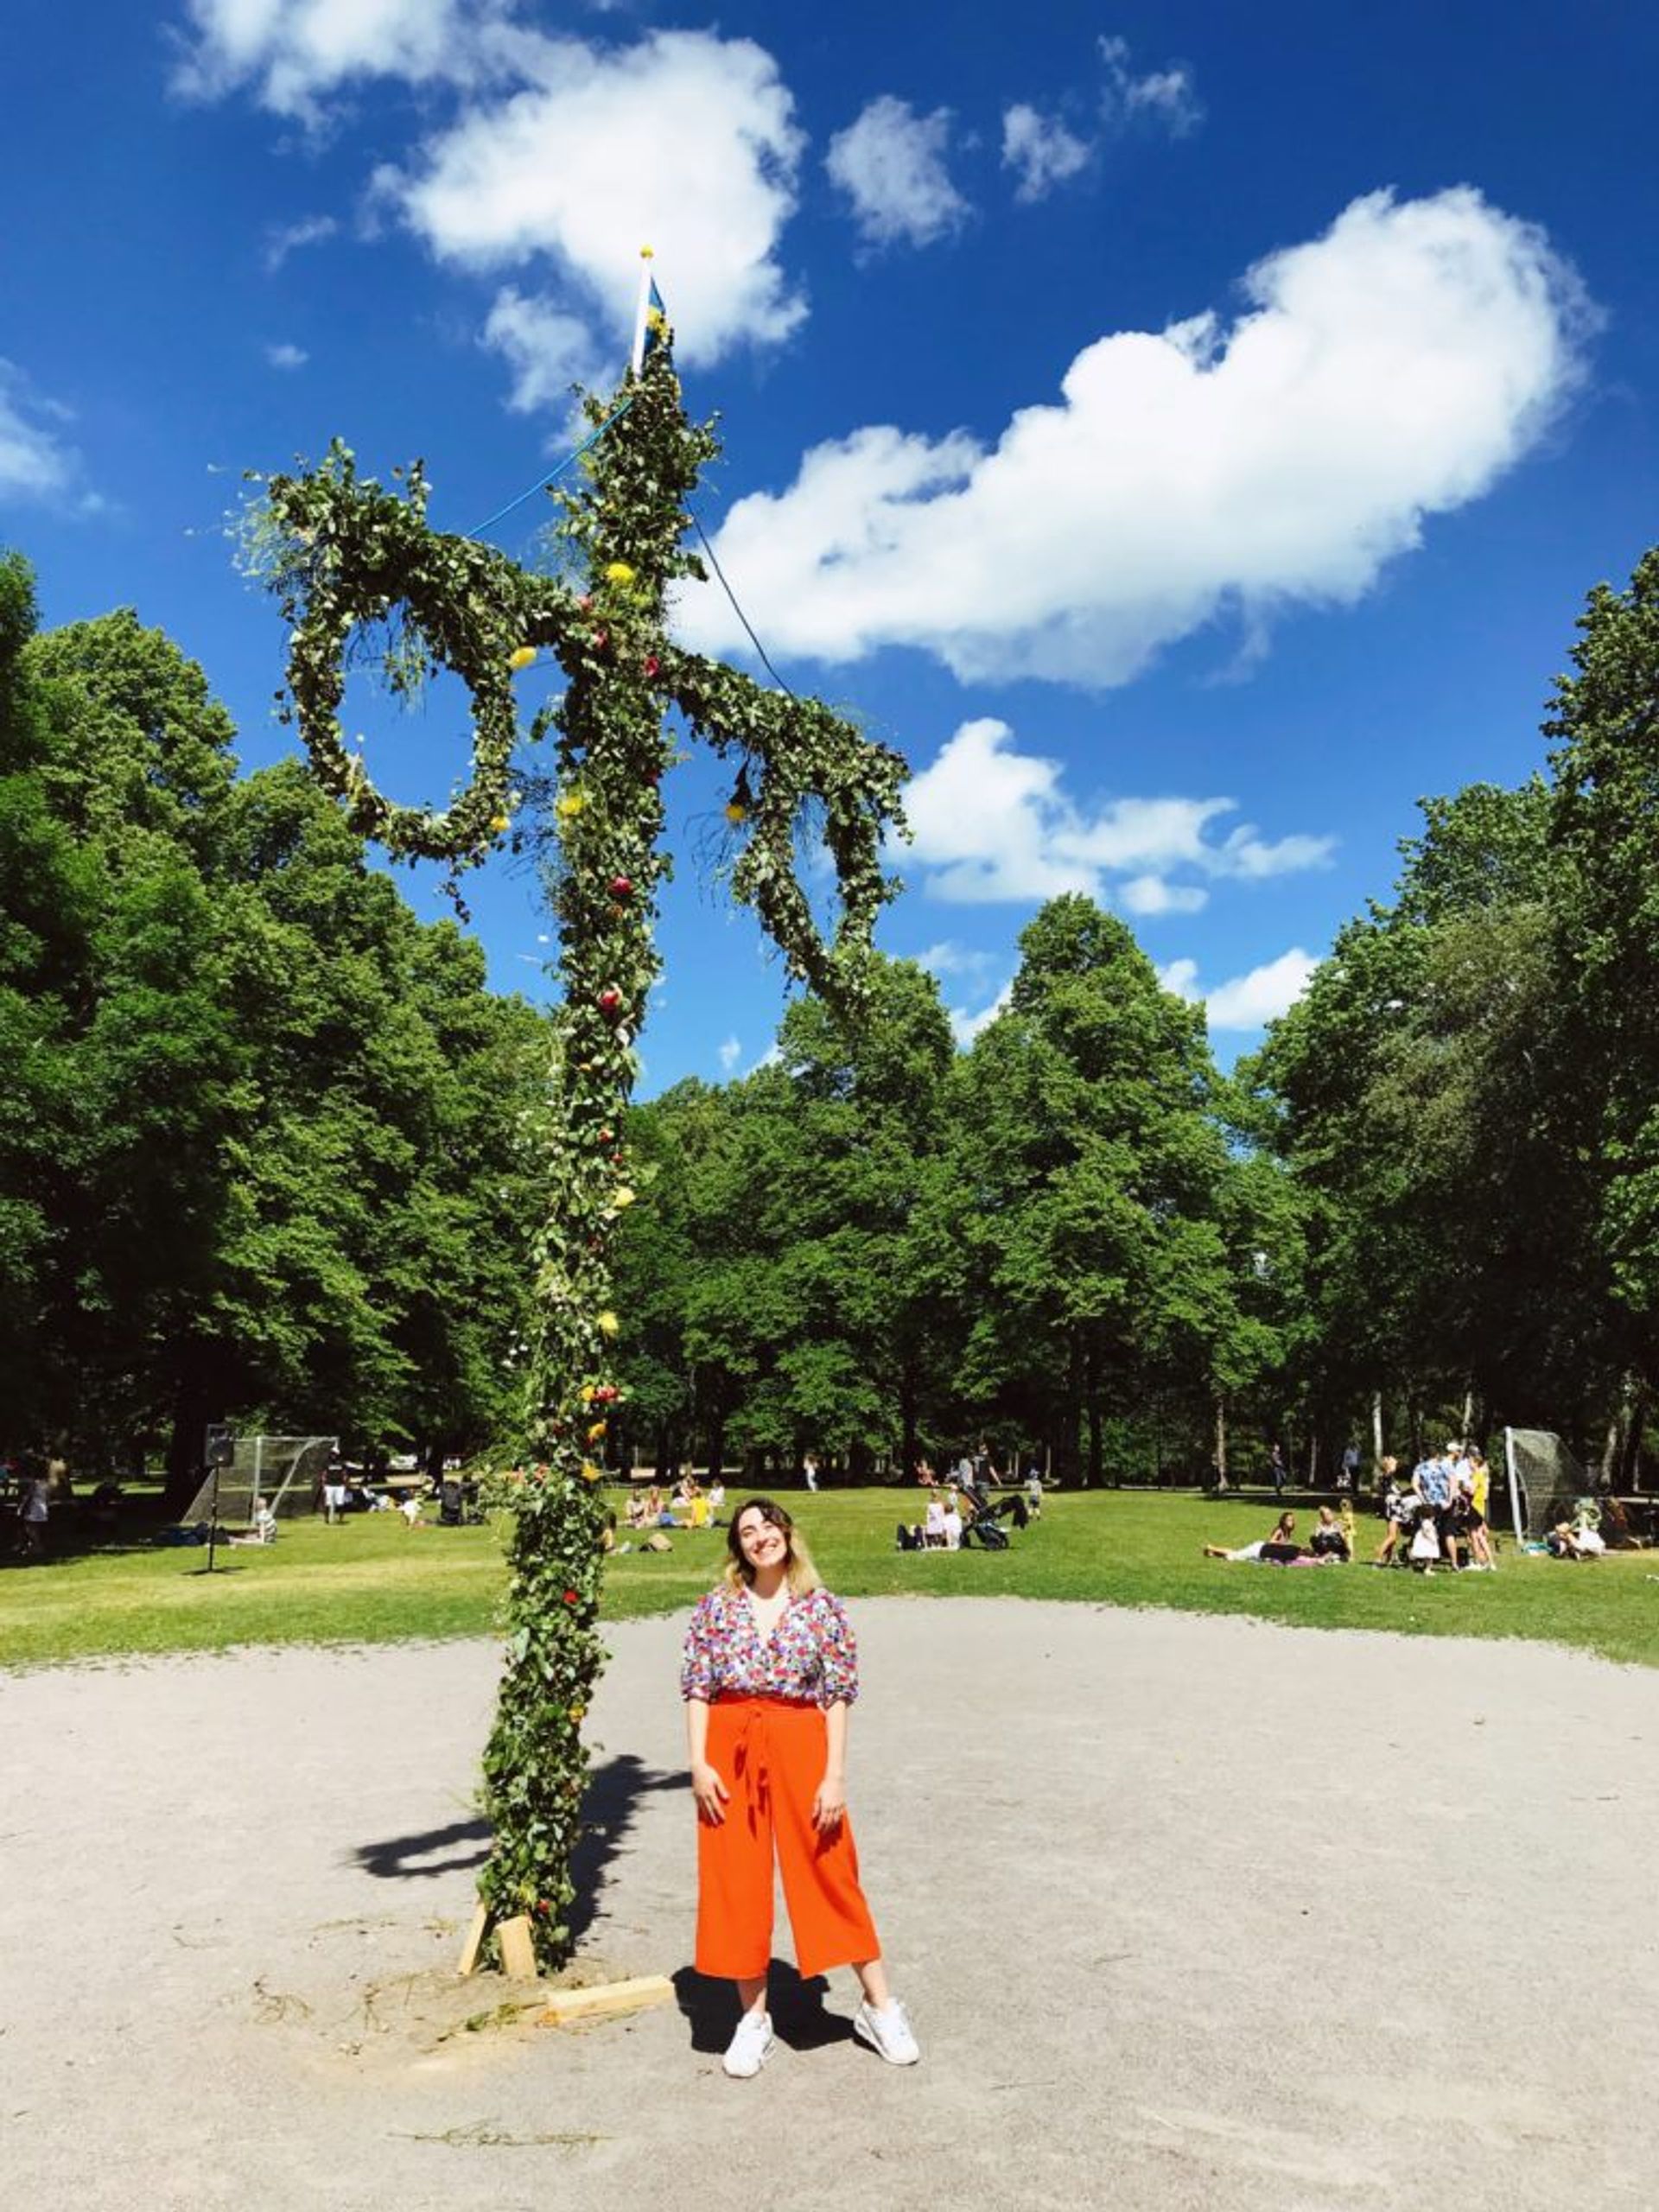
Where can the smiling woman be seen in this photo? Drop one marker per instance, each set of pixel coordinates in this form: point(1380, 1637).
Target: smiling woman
point(770, 1672)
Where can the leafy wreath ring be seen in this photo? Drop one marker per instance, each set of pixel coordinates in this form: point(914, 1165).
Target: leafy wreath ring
point(363, 552)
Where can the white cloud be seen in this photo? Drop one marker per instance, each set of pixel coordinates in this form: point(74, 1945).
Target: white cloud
point(965, 1027)
point(290, 237)
point(1393, 369)
point(684, 141)
point(990, 824)
point(949, 958)
point(1247, 1001)
point(890, 164)
point(1156, 895)
point(287, 357)
point(1166, 97)
point(1042, 151)
point(293, 53)
point(557, 162)
point(35, 464)
point(547, 351)
point(730, 1054)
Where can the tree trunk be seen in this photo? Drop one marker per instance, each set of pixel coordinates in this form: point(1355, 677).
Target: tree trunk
point(1071, 1412)
point(1629, 1473)
point(1091, 1388)
point(1221, 1442)
point(910, 1447)
point(192, 1409)
point(1377, 1428)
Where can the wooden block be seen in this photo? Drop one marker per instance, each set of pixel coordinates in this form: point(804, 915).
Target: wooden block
point(606, 1997)
point(518, 1950)
point(474, 1943)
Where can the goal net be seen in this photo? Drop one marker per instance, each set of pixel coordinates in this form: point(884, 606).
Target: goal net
point(285, 1471)
point(1547, 1483)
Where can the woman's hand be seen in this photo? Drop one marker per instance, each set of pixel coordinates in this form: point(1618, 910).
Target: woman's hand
point(710, 1791)
point(830, 1804)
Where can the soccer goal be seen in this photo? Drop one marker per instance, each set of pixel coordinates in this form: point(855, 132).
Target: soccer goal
point(1546, 1482)
point(285, 1471)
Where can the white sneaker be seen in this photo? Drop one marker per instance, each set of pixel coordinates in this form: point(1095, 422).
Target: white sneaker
point(888, 2031)
point(745, 2054)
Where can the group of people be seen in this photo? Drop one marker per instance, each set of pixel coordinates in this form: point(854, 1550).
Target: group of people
point(651, 1512)
point(1331, 1542)
point(1436, 1518)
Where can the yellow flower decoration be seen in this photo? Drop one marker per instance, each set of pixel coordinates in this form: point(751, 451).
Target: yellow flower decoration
point(621, 1197)
point(521, 658)
point(609, 1324)
point(618, 572)
point(570, 806)
point(736, 815)
point(586, 1394)
point(498, 823)
point(578, 1712)
point(590, 1473)
point(596, 1431)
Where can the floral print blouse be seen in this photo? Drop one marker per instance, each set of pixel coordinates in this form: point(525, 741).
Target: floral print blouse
point(810, 1656)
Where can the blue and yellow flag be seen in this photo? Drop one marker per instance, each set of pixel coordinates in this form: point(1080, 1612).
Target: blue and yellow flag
point(651, 327)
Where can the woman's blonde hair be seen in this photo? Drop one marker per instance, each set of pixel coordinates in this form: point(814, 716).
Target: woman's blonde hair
point(798, 1571)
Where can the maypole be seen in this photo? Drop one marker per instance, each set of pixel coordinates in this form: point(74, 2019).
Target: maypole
point(343, 552)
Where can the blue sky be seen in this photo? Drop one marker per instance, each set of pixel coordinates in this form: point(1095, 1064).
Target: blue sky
point(1187, 433)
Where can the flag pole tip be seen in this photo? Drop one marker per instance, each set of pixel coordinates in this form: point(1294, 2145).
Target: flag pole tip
point(647, 253)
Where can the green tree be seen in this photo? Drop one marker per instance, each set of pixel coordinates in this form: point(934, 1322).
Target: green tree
point(1604, 725)
point(1088, 1169)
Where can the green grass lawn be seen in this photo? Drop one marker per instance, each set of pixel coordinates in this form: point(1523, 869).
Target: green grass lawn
point(372, 1580)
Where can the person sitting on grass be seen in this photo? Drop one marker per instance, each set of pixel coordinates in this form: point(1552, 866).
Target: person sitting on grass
point(1278, 1548)
point(1567, 1540)
point(1328, 1540)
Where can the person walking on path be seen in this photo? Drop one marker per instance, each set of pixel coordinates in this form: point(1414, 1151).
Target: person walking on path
point(1276, 1471)
point(769, 1675)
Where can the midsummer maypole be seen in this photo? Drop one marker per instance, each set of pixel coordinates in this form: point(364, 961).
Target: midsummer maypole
point(343, 552)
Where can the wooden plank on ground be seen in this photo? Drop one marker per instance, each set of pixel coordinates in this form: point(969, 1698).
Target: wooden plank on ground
point(517, 1949)
point(474, 1943)
point(606, 1997)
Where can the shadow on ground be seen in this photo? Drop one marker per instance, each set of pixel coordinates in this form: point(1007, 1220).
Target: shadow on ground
point(615, 1789)
point(799, 2017)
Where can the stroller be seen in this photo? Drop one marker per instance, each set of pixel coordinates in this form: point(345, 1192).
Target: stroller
point(983, 1524)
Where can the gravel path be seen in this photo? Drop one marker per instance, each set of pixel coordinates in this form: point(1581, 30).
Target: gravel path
point(1190, 1912)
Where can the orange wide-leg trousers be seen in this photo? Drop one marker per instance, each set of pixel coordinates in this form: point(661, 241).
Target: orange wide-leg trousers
point(770, 1754)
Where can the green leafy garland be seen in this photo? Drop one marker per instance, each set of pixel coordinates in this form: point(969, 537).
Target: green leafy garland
point(343, 553)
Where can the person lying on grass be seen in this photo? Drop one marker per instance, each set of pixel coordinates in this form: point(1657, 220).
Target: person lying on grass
point(1279, 1548)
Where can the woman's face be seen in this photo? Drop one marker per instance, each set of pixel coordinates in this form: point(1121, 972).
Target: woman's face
point(764, 1543)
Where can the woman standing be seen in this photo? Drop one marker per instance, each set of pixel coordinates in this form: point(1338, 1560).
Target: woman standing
point(770, 1672)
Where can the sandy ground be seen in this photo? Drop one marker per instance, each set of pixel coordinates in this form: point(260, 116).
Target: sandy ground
point(1189, 1912)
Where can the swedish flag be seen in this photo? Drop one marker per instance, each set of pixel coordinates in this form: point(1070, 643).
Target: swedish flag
point(651, 328)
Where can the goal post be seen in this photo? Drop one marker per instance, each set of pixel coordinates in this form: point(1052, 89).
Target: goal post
point(1546, 1482)
point(283, 1471)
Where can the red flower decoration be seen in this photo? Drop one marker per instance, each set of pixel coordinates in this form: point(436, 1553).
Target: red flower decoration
point(653, 666)
point(610, 1000)
point(621, 887)
point(571, 1597)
